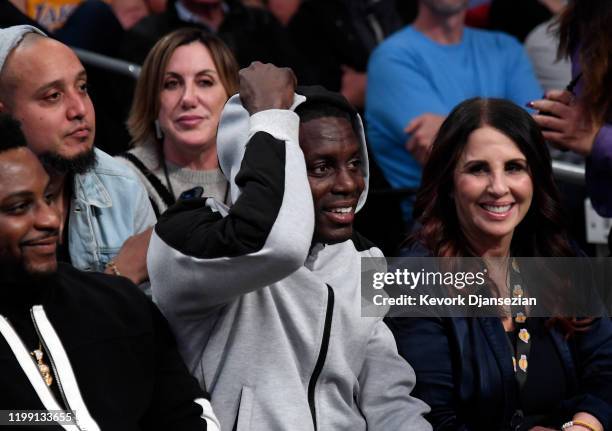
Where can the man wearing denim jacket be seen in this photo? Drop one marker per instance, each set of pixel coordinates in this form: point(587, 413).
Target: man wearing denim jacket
point(44, 86)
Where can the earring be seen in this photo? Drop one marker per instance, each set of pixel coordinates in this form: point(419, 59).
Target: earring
point(158, 130)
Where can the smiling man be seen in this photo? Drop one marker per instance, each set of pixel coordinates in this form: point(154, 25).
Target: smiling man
point(102, 203)
point(264, 297)
point(29, 225)
point(71, 340)
point(334, 165)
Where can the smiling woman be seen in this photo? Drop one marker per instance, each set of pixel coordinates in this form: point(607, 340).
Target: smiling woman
point(488, 191)
point(185, 81)
point(488, 186)
point(493, 189)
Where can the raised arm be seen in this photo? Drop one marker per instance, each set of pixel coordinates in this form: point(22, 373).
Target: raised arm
point(199, 258)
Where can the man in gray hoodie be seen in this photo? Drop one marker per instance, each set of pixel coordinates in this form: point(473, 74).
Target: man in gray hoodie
point(264, 297)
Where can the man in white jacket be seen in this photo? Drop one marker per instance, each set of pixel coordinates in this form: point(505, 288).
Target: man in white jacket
point(264, 297)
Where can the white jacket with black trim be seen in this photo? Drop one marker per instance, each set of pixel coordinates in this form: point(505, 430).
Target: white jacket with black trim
point(113, 359)
point(272, 327)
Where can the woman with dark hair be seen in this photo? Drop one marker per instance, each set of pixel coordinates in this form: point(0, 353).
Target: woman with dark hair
point(579, 118)
point(488, 192)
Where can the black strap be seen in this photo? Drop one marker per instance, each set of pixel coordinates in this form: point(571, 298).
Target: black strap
point(161, 190)
point(155, 208)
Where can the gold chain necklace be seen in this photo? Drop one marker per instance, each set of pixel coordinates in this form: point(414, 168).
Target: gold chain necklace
point(44, 369)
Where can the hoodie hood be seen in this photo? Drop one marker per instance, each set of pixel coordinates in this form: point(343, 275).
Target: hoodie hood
point(234, 133)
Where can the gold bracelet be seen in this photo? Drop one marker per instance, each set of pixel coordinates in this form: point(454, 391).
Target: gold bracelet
point(578, 423)
point(585, 425)
point(113, 267)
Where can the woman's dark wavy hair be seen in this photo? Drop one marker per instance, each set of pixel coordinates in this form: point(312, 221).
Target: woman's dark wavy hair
point(542, 231)
point(584, 27)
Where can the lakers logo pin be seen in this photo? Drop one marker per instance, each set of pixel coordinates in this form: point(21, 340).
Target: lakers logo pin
point(517, 290)
point(524, 335)
point(522, 363)
point(520, 318)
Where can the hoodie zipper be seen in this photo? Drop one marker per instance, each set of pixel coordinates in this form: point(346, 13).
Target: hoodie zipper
point(53, 366)
point(322, 355)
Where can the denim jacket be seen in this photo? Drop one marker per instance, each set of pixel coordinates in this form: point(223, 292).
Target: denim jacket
point(109, 204)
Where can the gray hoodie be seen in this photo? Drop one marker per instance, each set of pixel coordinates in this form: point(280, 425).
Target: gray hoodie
point(271, 325)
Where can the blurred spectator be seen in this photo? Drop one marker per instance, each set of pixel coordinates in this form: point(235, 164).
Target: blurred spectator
point(518, 18)
point(347, 31)
point(99, 26)
point(420, 73)
point(541, 46)
point(554, 72)
point(337, 53)
point(283, 10)
point(102, 203)
point(185, 81)
point(19, 4)
point(251, 33)
point(156, 6)
point(11, 15)
point(50, 14)
point(129, 12)
point(583, 122)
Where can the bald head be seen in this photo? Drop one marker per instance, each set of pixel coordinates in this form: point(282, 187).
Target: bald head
point(8, 74)
point(44, 86)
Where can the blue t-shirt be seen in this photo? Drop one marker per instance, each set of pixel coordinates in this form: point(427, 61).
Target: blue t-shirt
point(409, 74)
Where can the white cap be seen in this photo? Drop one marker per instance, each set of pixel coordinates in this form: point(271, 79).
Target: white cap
point(10, 37)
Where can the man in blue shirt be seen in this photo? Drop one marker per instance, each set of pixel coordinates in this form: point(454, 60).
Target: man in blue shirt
point(420, 73)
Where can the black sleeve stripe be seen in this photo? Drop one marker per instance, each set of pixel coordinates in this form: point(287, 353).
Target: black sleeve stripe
point(195, 230)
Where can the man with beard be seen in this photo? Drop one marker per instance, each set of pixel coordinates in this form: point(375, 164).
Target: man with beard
point(102, 203)
point(90, 344)
point(418, 75)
